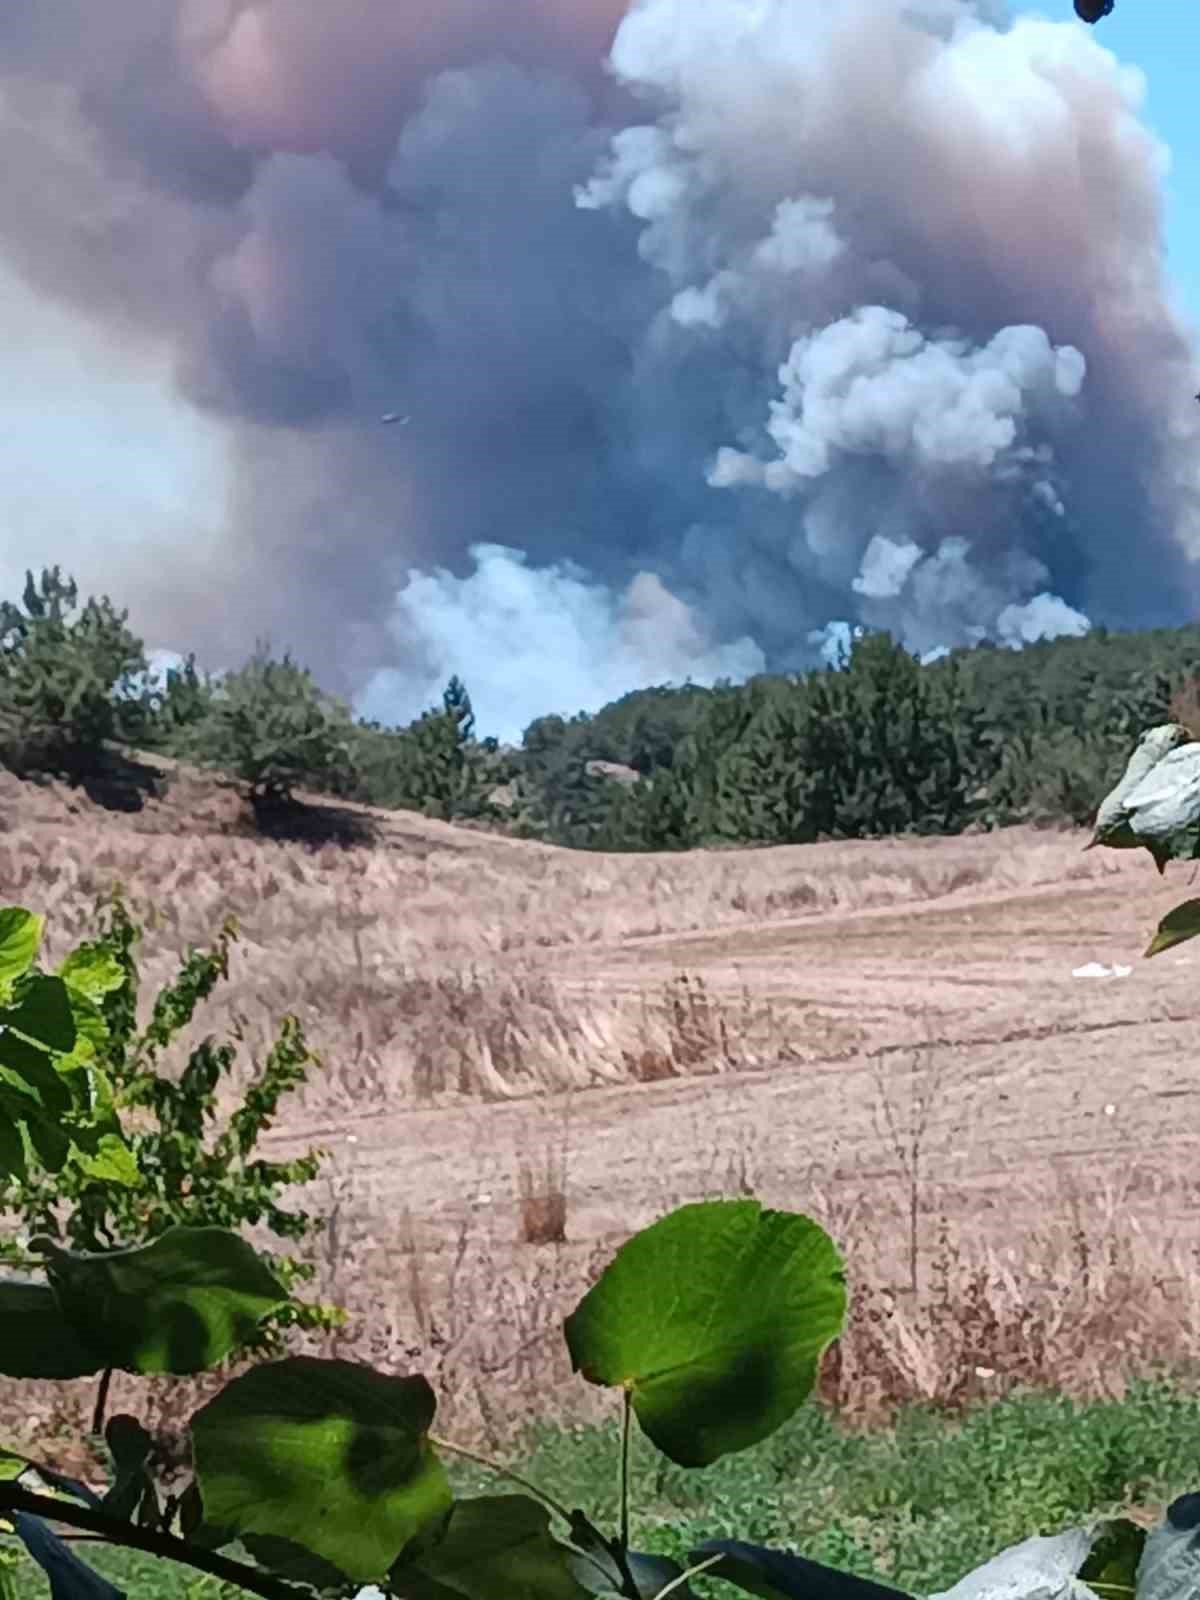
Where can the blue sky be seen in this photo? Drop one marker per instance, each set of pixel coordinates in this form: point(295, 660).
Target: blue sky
point(1162, 38)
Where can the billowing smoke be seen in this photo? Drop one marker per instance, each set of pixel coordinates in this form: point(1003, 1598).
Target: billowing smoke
point(793, 317)
point(540, 640)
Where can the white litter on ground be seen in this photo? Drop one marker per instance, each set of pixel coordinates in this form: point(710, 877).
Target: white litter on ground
point(1095, 970)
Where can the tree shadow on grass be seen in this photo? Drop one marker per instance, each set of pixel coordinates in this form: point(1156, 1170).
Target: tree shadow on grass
point(118, 783)
point(109, 778)
point(309, 823)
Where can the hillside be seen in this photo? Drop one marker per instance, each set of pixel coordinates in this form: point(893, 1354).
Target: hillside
point(501, 1018)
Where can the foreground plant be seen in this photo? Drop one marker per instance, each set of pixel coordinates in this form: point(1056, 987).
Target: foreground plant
point(326, 1474)
point(1156, 807)
point(104, 1143)
point(312, 1477)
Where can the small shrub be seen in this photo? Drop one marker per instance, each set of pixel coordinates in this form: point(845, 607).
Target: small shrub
point(179, 1162)
point(542, 1197)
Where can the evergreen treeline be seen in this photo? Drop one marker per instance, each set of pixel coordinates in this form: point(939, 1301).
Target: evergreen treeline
point(880, 745)
point(877, 745)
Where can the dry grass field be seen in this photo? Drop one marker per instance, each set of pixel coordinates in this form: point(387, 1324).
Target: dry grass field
point(529, 1052)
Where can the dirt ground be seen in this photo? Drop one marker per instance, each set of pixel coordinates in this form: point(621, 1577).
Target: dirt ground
point(1034, 1067)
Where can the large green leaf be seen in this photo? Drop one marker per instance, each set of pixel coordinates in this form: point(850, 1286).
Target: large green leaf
point(285, 1559)
point(20, 936)
point(50, 1143)
point(91, 1031)
point(179, 1304)
point(36, 1340)
point(92, 971)
point(1176, 927)
point(714, 1319)
point(779, 1575)
point(328, 1454)
point(41, 1010)
point(1170, 1565)
point(111, 1162)
point(32, 1071)
point(13, 1161)
point(496, 1547)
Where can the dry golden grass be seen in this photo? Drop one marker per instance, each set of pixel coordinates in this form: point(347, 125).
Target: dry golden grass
point(1094, 1294)
point(427, 967)
point(445, 975)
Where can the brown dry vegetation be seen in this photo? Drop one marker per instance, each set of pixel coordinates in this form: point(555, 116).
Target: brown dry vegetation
point(528, 1053)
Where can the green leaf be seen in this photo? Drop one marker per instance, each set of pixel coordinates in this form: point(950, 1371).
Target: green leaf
point(20, 936)
point(1111, 1568)
point(779, 1575)
point(179, 1304)
point(714, 1319)
point(496, 1547)
point(11, 1466)
point(29, 1069)
point(192, 1526)
point(1176, 927)
point(41, 1011)
point(36, 1339)
point(92, 971)
point(292, 1561)
point(12, 1146)
point(50, 1143)
point(91, 1032)
point(329, 1454)
point(1170, 1565)
point(112, 1162)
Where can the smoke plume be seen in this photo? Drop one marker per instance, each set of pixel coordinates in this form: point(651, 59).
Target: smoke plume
point(718, 325)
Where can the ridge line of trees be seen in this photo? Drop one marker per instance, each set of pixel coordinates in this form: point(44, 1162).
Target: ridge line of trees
point(878, 744)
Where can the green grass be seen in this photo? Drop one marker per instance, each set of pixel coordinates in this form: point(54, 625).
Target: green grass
point(916, 1506)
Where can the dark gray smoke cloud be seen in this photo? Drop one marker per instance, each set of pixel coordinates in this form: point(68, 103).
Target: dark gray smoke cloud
point(793, 314)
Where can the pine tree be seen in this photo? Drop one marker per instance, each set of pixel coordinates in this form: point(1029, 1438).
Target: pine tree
point(68, 677)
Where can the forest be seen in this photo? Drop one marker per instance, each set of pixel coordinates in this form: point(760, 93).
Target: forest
point(875, 744)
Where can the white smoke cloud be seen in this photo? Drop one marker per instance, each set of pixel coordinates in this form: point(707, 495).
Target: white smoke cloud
point(872, 385)
point(529, 641)
point(1043, 617)
point(885, 567)
point(862, 196)
point(835, 641)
